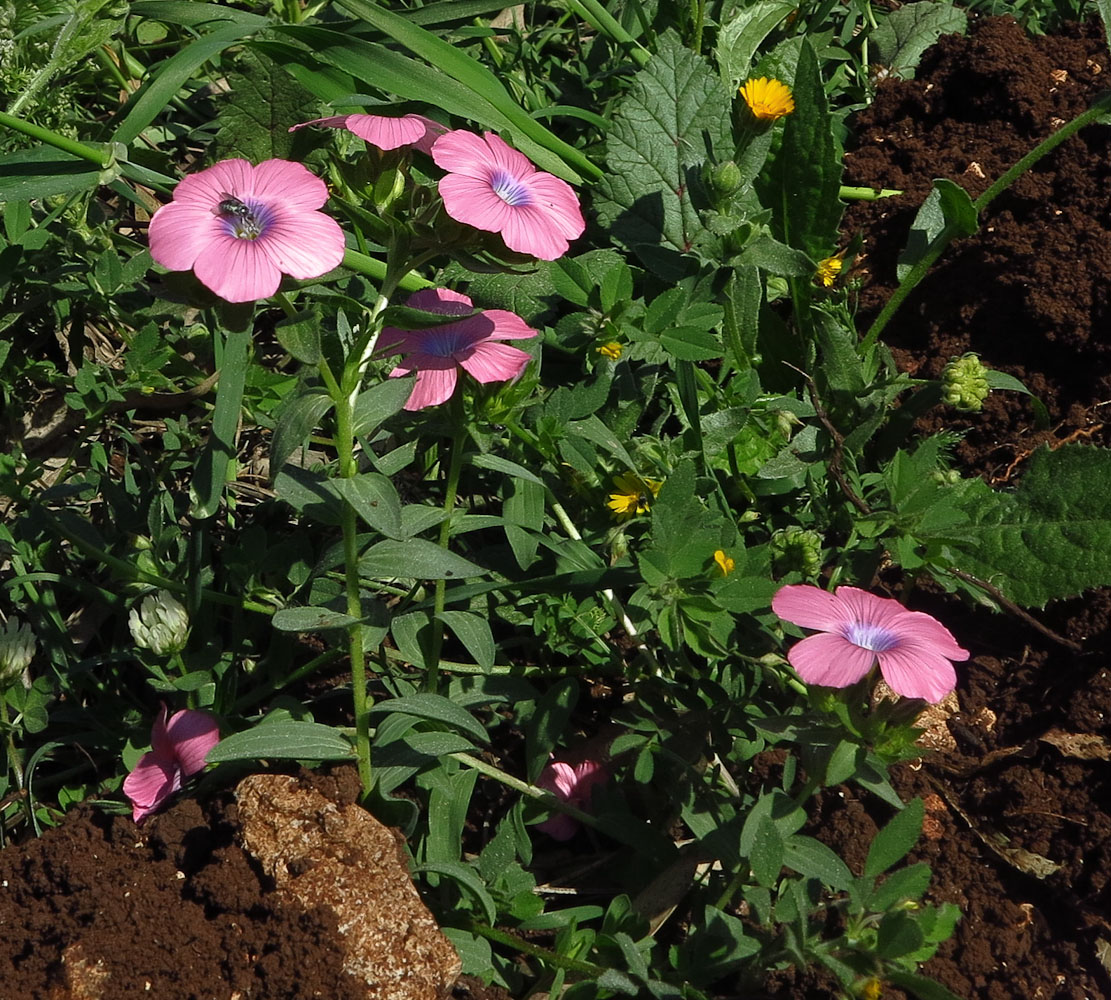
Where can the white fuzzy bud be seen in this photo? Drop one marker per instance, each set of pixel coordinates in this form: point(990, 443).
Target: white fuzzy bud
point(17, 648)
point(160, 624)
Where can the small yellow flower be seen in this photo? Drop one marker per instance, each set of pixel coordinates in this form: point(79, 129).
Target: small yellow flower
point(612, 350)
point(872, 989)
point(828, 269)
point(726, 563)
point(768, 99)
point(635, 498)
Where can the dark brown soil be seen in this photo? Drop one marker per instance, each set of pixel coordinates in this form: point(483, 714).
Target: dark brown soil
point(1030, 293)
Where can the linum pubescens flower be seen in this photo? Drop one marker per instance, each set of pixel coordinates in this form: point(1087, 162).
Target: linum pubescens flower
point(178, 749)
point(384, 131)
point(857, 629)
point(573, 784)
point(767, 99)
point(240, 227)
point(493, 187)
point(471, 344)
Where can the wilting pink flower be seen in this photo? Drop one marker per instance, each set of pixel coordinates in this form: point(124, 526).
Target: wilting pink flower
point(855, 629)
point(573, 785)
point(240, 227)
point(436, 355)
point(386, 132)
point(493, 187)
point(178, 750)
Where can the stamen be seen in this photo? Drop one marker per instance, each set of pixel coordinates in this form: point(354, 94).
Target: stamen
point(869, 636)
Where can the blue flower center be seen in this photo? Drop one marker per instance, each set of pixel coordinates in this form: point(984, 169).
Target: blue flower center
point(869, 636)
point(445, 341)
point(245, 220)
point(510, 189)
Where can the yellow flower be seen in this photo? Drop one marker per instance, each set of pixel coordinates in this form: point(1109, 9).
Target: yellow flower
point(871, 990)
point(828, 269)
point(767, 99)
point(612, 350)
point(635, 498)
point(725, 562)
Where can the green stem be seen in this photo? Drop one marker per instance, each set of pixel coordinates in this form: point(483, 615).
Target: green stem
point(451, 491)
point(943, 238)
point(595, 14)
point(100, 157)
point(848, 193)
point(535, 951)
point(376, 269)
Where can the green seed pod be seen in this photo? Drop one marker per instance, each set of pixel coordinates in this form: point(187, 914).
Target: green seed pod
point(964, 383)
point(726, 177)
point(797, 549)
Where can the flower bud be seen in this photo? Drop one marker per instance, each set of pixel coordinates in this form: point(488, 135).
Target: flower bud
point(964, 383)
point(159, 624)
point(798, 549)
point(17, 648)
point(726, 177)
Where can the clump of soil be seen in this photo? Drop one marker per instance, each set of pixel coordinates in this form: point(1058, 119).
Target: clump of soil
point(1029, 291)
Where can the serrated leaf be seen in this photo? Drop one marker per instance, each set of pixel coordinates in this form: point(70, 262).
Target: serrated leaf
point(1051, 537)
point(254, 120)
point(655, 151)
point(289, 740)
point(905, 33)
point(740, 37)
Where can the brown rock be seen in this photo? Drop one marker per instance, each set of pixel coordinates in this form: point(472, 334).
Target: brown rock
point(343, 859)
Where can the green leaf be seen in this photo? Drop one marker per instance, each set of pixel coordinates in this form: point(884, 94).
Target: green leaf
point(919, 986)
point(655, 151)
point(43, 172)
point(374, 499)
point(898, 935)
point(438, 709)
point(768, 852)
point(946, 203)
point(415, 559)
point(907, 31)
point(498, 464)
point(894, 841)
point(300, 335)
point(310, 619)
point(192, 13)
point(474, 632)
point(469, 879)
point(300, 416)
point(688, 344)
point(808, 167)
point(1048, 539)
point(813, 859)
point(286, 739)
point(907, 883)
point(380, 402)
point(740, 37)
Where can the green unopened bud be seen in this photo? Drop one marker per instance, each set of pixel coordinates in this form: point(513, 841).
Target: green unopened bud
point(17, 649)
point(786, 421)
point(797, 549)
point(159, 624)
point(388, 188)
point(726, 177)
point(964, 383)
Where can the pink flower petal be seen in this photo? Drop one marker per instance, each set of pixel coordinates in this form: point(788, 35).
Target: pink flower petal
point(830, 660)
point(434, 386)
point(474, 202)
point(808, 606)
point(559, 827)
point(205, 188)
point(865, 608)
point(558, 778)
point(463, 152)
point(193, 734)
point(238, 270)
point(493, 362)
point(152, 782)
point(508, 325)
point(441, 300)
point(925, 630)
point(161, 744)
point(305, 246)
point(180, 233)
point(289, 185)
point(505, 157)
point(385, 132)
point(531, 230)
point(561, 204)
point(918, 673)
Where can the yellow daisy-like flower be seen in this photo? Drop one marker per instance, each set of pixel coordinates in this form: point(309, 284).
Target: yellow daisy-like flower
point(871, 990)
point(828, 269)
point(726, 563)
point(612, 350)
point(768, 99)
point(635, 498)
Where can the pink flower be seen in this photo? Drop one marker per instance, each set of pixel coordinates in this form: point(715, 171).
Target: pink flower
point(573, 785)
point(856, 629)
point(178, 750)
point(239, 228)
point(493, 187)
point(386, 132)
point(436, 355)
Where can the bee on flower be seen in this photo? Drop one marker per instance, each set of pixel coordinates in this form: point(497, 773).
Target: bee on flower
point(767, 100)
point(634, 496)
